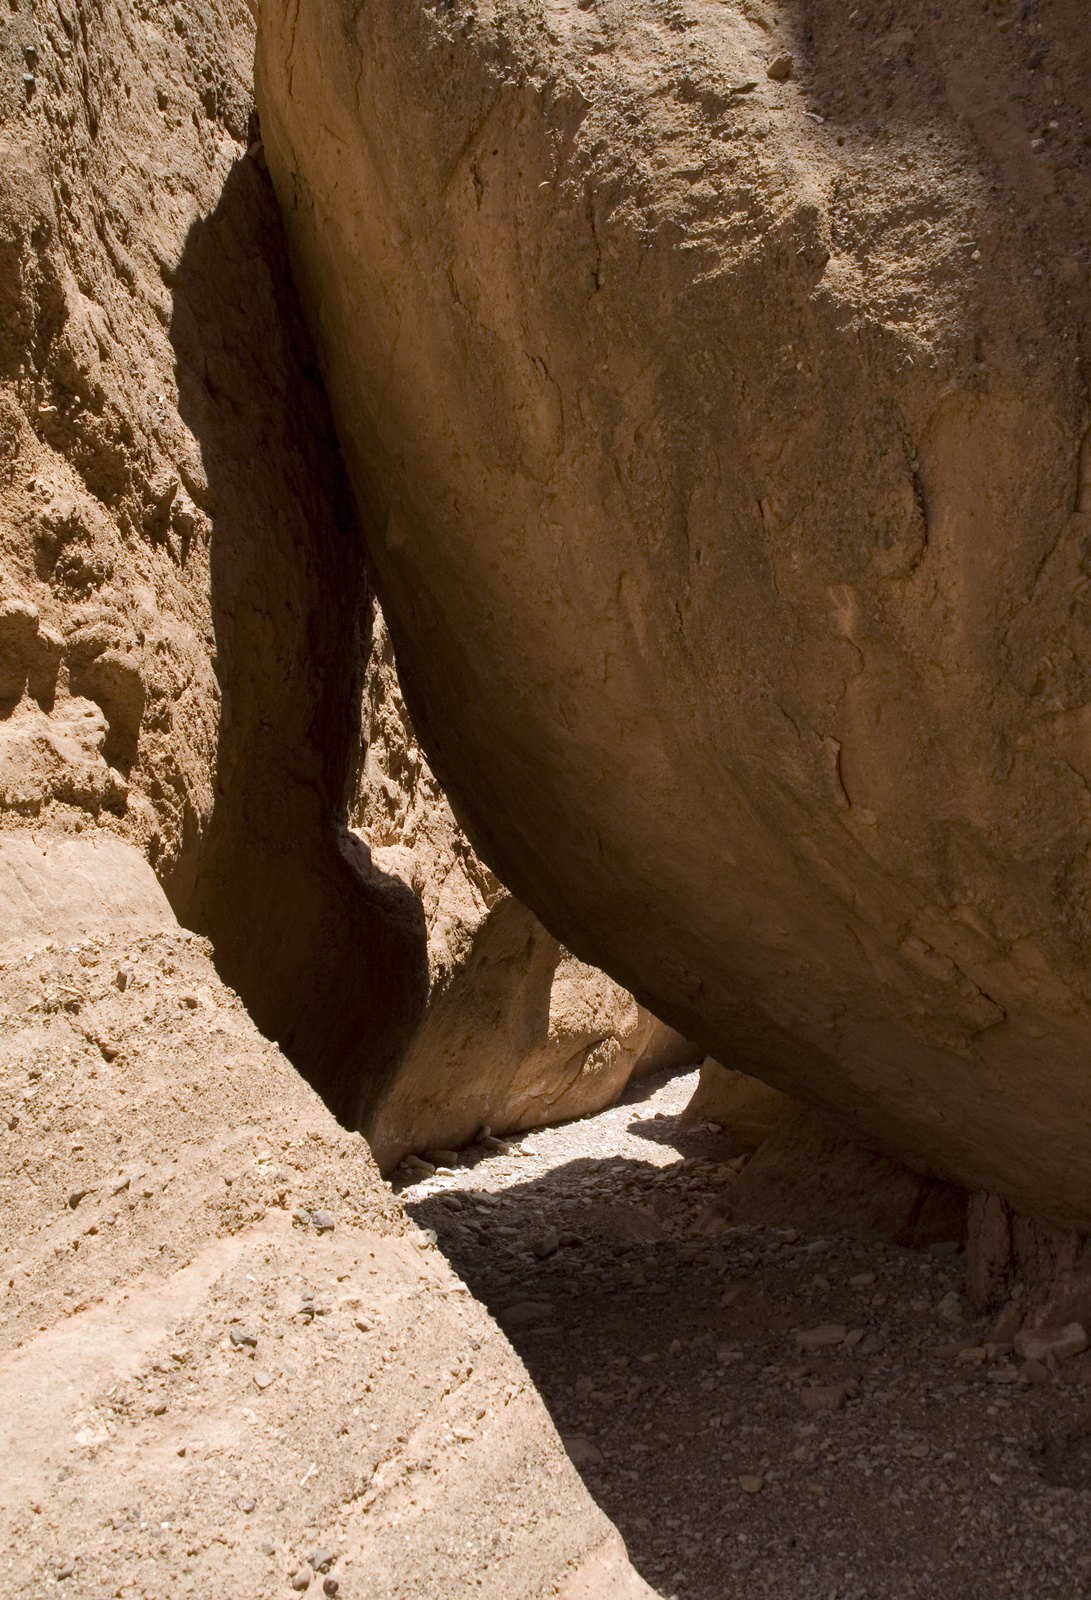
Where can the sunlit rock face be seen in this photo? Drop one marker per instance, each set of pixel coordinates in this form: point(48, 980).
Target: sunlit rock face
point(721, 440)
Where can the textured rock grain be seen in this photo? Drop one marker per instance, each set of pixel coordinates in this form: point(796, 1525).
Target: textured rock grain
point(722, 439)
point(139, 1440)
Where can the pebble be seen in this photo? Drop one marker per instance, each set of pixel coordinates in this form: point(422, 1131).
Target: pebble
point(827, 1397)
point(750, 1485)
point(322, 1560)
point(262, 1379)
point(779, 68)
point(239, 1338)
point(527, 1311)
point(547, 1244)
point(825, 1337)
point(66, 1570)
point(950, 1309)
point(301, 1580)
point(246, 1504)
point(324, 1221)
point(581, 1452)
point(330, 1586)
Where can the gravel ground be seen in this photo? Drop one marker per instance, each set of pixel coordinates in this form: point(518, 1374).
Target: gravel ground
point(903, 1450)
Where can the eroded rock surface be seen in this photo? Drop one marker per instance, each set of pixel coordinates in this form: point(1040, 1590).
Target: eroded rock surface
point(226, 1351)
point(720, 431)
point(223, 1348)
point(186, 629)
point(183, 606)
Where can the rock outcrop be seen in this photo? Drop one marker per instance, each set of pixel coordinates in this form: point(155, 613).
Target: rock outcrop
point(183, 605)
point(189, 1324)
point(188, 1236)
point(185, 621)
point(720, 425)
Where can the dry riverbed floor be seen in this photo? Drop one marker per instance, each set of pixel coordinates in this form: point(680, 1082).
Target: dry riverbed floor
point(762, 1413)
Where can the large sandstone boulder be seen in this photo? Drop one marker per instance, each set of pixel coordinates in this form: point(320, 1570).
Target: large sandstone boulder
point(719, 421)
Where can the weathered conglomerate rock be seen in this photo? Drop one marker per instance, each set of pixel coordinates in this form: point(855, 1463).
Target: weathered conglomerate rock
point(721, 439)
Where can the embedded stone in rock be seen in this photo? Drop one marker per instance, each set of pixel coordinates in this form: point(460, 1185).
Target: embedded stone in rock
point(730, 531)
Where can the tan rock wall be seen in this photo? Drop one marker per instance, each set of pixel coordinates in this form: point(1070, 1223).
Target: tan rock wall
point(721, 440)
point(169, 1180)
point(183, 607)
point(185, 622)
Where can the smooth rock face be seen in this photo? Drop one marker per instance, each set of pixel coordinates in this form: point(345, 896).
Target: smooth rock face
point(722, 440)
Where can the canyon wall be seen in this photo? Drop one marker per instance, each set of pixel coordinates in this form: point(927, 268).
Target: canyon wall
point(185, 619)
point(191, 1242)
point(183, 606)
point(713, 379)
point(517, 1032)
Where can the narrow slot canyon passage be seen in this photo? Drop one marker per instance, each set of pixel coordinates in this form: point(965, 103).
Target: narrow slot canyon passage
point(761, 1412)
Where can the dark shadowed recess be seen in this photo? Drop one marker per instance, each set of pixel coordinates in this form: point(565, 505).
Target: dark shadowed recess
point(331, 966)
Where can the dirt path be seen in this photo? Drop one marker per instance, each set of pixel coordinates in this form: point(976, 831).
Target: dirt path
point(666, 1345)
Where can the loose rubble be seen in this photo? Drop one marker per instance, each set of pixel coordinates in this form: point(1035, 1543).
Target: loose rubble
point(762, 1412)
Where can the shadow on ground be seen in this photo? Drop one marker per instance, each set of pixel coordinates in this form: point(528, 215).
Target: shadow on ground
point(662, 1335)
